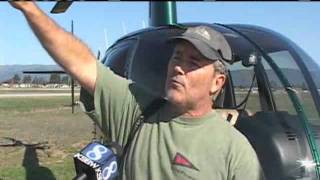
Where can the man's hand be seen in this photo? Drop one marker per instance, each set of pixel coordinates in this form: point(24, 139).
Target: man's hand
point(22, 5)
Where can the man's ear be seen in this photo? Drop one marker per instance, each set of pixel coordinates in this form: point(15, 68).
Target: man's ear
point(217, 83)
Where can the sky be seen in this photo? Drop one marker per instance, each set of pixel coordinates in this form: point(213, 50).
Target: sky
point(100, 24)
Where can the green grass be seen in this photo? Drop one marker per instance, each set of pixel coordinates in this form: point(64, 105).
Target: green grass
point(63, 170)
point(28, 104)
point(41, 119)
point(36, 90)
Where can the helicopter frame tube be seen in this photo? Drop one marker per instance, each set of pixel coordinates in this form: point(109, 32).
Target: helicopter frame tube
point(293, 96)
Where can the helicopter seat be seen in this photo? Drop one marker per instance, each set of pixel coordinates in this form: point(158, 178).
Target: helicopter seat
point(231, 115)
point(280, 143)
point(224, 102)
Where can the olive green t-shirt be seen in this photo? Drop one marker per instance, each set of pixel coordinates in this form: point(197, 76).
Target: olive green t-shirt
point(167, 147)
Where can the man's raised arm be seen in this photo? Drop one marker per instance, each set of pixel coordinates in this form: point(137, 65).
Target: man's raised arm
point(68, 51)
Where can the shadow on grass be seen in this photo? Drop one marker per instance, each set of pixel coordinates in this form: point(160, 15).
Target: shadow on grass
point(30, 160)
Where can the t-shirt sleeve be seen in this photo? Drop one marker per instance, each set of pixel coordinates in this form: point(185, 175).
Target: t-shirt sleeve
point(118, 102)
point(245, 163)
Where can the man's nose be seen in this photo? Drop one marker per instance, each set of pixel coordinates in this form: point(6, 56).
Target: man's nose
point(178, 69)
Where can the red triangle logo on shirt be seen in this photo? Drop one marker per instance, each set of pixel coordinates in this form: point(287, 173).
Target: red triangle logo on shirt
point(180, 160)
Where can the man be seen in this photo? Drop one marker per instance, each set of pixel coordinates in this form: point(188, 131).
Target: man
point(185, 138)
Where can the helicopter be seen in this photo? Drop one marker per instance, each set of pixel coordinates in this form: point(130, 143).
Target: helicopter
point(271, 94)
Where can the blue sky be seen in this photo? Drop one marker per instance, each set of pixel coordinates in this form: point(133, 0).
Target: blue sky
point(299, 21)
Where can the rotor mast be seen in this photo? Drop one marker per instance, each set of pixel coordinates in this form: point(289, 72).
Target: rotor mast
point(162, 13)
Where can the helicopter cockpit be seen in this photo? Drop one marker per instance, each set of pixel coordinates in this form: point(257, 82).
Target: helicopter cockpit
point(272, 83)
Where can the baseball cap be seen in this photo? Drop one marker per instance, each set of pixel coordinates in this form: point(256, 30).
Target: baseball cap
point(209, 42)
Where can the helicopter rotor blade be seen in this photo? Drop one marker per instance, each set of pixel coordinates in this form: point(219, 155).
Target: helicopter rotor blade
point(61, 7)
point(44, 72)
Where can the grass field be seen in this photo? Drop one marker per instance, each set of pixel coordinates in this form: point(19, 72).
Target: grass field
point(32, 120)
point(36, 90)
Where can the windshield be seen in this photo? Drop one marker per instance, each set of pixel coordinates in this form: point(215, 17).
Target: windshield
point(300, 96)
point(292, 72)
point(311, 66)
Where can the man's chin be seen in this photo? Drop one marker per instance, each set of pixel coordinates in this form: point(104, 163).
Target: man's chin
point(174, 99)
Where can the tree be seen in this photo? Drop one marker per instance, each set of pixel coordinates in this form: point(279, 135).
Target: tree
point(16, 78)
point(35, 80)
point(55, 78)
point(42, 81)
point(65, 80)
point(27, 79)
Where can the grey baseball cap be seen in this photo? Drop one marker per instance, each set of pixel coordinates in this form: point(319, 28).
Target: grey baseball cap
point(209, 42)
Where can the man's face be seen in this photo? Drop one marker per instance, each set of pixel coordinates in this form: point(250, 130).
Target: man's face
point(191, 80)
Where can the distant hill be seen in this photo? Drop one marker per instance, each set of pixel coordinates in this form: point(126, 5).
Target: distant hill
point(240, 77)
point(243, 77)
point(8, 71)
